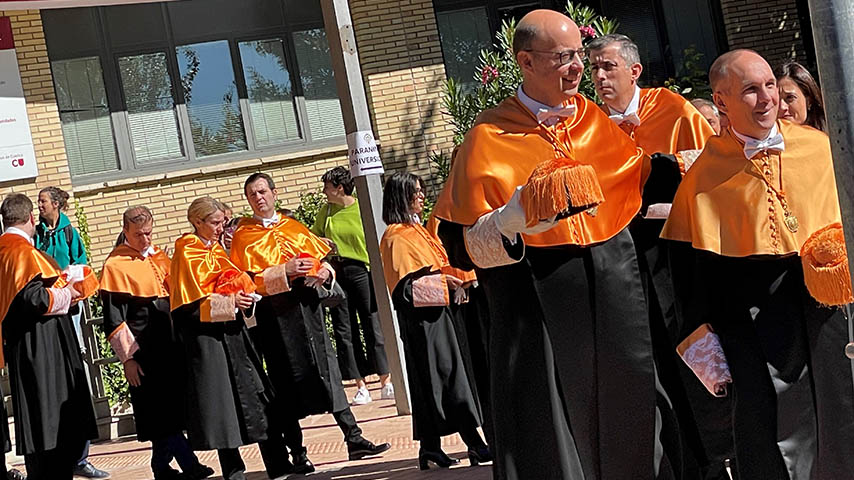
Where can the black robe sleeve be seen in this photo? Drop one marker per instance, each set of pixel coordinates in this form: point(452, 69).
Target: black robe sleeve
point(115, 311)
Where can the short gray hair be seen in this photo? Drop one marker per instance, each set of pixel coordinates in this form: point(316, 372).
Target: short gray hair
point(702, 102)
point(628, 48)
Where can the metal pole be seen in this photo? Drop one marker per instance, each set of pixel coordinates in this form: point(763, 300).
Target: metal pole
point(833, 31)
point(354, 108)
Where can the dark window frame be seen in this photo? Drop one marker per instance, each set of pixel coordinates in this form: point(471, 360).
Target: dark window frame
point(126, 159)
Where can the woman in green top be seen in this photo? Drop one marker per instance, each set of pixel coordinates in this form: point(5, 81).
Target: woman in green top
point(339, 223)
point(55, 235)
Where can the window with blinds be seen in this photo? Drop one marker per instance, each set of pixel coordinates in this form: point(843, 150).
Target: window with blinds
point(152, 121)
point(268, 85)
point(85, 117)
point(207, 80)
point(191, 82)
point(318, 84)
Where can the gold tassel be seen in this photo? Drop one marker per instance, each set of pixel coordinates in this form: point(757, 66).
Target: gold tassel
point(825, 263)
point(558, 185)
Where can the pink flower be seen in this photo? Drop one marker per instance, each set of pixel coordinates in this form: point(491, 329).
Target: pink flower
point(587, 31)
point(488, 74)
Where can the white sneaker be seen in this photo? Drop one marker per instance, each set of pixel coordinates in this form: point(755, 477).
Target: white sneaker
point(362, 397)
point(387, 392)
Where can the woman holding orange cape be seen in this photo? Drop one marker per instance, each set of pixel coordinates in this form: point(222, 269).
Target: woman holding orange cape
point(444, 399)
point(228, 392)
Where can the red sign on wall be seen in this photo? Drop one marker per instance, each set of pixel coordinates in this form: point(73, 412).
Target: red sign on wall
point(6, 40)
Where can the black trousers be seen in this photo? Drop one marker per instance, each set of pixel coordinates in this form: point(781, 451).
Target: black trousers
point(56, 464)
point(292, 432)
point(764, 316)
point(354, 359)
point(273, 453)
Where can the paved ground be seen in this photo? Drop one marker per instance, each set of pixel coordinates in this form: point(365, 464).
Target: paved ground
point(128, 459)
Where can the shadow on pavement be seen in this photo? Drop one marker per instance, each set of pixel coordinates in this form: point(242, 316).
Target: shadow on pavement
point(391, 470)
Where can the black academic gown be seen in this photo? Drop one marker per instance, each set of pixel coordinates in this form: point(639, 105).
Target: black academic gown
point(228, 393)
point(573, 382)
point(475, 316)
point(52, 404)
point(764, 316)
point(441, 380)
point(291, 335)
point(158, 403)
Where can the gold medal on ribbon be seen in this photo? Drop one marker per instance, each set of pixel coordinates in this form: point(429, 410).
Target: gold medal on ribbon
point(791, 222)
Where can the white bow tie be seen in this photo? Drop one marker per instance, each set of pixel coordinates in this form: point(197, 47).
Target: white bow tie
point(269, 221)
point(753, 146)
point(621, 118)
point(147, 252)
point(546, 114)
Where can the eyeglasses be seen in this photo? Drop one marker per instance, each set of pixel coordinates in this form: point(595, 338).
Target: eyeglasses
point(565, 56)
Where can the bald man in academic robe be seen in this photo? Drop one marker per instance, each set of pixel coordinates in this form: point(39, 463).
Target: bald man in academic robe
point(573, 381)
point(739, 220)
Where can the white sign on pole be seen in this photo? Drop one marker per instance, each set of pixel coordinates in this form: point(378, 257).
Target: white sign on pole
point(364, 154)
point(17, 156)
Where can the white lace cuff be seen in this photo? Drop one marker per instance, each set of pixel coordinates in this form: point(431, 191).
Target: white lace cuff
point(430, 291)
point(123, 343)
point(219, 308)
point(704, 355)
point(60, 301)
point(485, 244)
point(275, 280)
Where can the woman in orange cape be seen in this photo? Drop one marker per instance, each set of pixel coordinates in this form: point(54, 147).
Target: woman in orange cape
point(444, 399)
point(228, 393)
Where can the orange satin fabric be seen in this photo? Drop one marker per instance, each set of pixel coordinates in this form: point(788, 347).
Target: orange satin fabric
point(669, 123)
point(501, 150)
point(20, 262)
point(254, 248)
point(407, 248)
point(722, 204)
point(126, 271)
point(464, 275)
point(196, 269)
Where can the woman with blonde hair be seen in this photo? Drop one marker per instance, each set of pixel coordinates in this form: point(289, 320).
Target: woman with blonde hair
point(227, 390)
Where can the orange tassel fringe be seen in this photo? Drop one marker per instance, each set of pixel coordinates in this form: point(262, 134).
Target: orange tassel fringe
point(233, 281)
point(557, 186)
point(825, 263)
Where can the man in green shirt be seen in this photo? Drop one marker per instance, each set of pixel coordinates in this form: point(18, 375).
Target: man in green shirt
point(339, 223)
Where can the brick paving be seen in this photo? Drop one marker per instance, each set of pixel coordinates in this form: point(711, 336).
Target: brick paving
point(127, 459)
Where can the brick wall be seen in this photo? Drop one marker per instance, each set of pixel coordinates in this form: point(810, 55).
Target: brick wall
point(42, 110)
point(404, 74)
point(169, 195)
point(771, 27)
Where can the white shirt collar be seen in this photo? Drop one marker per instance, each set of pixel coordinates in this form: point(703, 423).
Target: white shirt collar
point(18, 231)
point(267, 222)
point(541, 110)
point(633, 105)
point(745, 138)
point(147, 252)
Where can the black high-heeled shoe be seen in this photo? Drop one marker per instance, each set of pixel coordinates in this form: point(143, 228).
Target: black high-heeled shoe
point(479, 455)
point(439, 457)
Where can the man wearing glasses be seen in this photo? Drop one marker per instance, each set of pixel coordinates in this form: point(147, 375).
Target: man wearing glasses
point(574, 385)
